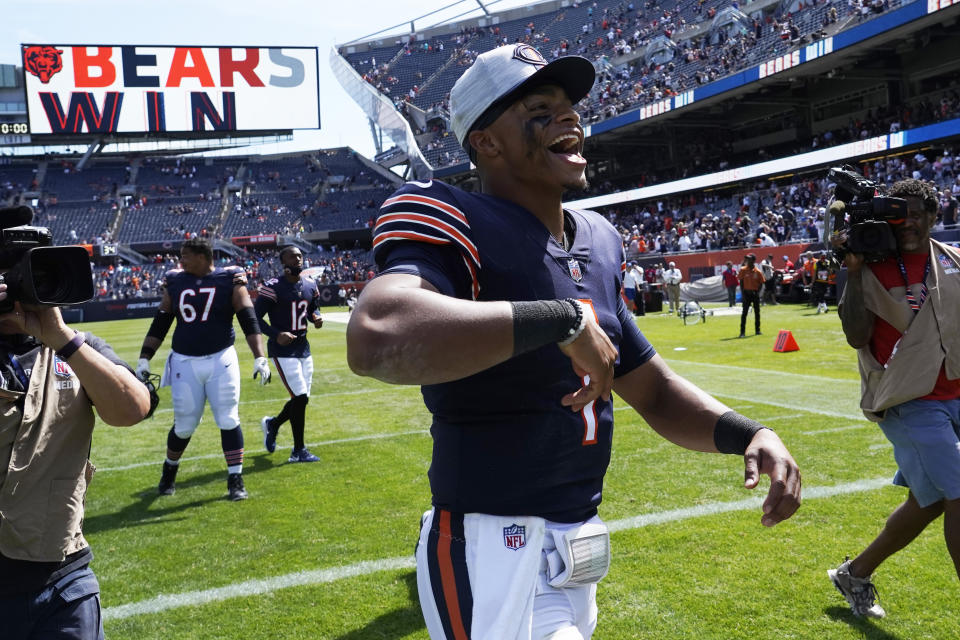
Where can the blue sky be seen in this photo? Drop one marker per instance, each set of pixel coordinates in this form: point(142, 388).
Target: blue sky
point(320, 23)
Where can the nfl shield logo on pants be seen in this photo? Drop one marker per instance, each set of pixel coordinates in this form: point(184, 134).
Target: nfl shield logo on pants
point(514, 537)
point(574, 267)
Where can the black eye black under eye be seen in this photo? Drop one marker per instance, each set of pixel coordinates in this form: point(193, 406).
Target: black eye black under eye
point(541, 120)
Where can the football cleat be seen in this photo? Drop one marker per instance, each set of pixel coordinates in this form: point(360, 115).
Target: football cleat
point(167, 484)
point(269, 435)
point(302, 455)
point(235, 490)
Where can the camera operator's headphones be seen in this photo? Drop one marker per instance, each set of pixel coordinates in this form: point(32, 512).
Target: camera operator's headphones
point(152, 381)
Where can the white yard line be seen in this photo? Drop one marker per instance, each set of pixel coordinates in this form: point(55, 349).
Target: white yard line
point(258, 586)
point(799, 392)
point(285, 398)
point(208, 456)
point(255, 587)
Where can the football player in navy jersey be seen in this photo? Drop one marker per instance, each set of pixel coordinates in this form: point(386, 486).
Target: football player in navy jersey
point(290, 302)
point(506, 308)
point(202, 365)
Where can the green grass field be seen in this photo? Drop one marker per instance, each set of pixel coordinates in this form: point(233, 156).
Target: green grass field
point(325, 550)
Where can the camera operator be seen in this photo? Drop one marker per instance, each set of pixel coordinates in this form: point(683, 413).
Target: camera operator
point(50, 378)
point(910, 380)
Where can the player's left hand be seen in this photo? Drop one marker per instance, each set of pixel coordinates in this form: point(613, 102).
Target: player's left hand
point(592, 355)
point(317, 322)
point(767, 455)
point(260, 368)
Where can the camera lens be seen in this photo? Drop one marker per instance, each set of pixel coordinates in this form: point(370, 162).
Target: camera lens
point(59, 275)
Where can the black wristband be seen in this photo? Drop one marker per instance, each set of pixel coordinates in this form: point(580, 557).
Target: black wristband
point(71, 347)
point(147, 352)
point(540, 322)
point(733, 432)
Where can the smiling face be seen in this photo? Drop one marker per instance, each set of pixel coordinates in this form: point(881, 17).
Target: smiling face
point(538, 141)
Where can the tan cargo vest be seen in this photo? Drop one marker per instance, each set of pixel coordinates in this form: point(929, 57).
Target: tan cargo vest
point(931, 338)
point(44, 470)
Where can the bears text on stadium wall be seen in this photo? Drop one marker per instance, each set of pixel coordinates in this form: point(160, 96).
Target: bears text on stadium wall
point(137, 89)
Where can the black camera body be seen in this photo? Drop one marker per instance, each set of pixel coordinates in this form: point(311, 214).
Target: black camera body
point(866, 215)
point(37, 273)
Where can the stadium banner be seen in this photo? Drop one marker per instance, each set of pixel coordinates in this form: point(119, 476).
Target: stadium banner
point(246, 241)
point(115, 309)
point(89, 89)
point(911, 10)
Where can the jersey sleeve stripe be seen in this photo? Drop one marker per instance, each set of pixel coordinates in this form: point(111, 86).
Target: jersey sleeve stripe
point(434, 223)
point(475, 287)
point(388, 236)
point(432, 202)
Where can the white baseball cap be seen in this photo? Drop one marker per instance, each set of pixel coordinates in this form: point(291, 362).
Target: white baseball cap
point(498, 74)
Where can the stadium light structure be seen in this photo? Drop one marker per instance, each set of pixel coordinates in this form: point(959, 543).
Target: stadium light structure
point(729, 22)
point(381, 112)
point(661, 50)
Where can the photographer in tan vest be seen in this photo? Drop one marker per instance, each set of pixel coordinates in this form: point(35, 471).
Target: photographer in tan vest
point(51, 377)
point(901, 315)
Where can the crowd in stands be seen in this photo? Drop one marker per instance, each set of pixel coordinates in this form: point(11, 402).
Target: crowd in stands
point(767, 215)
point(609, 32)
point(124, 281)
point(770, 214)
point(165, 199)
point(714, 150)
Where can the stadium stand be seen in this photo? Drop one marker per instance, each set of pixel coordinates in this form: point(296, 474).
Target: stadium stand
point(15, 179)
point(168, 219)
point(644, 51)
point(703, 41)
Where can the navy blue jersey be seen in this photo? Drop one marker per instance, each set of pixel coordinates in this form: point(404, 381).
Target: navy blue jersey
point(290, 306)
point(204, 309)
point(502, 442)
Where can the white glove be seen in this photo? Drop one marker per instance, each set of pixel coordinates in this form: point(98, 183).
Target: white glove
point(143, 368)
point(261, 369)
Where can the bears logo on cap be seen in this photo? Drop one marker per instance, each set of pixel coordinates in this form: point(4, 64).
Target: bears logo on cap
point(528, 54)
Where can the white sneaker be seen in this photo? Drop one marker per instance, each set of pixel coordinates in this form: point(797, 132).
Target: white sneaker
point(860, 593)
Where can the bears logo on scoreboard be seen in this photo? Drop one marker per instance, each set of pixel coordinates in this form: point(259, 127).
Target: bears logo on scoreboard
point(43, 61)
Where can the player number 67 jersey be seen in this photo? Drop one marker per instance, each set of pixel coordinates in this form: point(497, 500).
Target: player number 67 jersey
point(204, 309)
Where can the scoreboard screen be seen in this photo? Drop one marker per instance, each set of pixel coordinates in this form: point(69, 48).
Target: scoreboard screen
point(86, 89)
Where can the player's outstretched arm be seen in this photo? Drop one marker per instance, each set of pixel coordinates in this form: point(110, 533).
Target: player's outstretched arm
point(688, 416)
point(404, 331)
